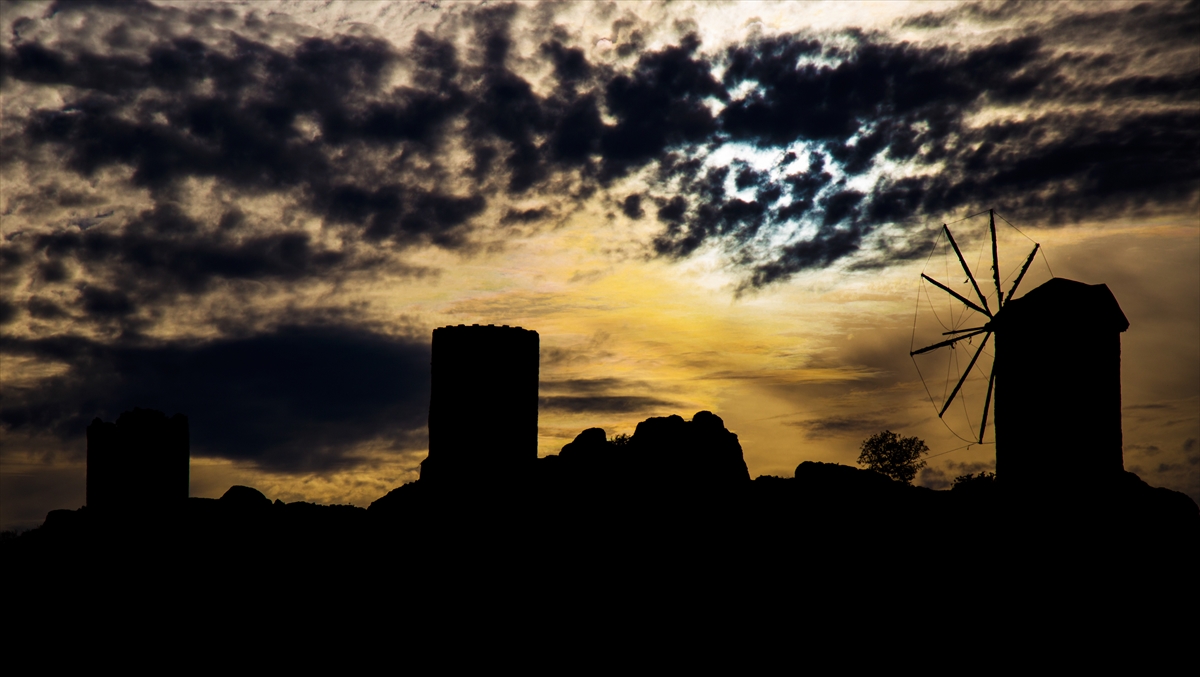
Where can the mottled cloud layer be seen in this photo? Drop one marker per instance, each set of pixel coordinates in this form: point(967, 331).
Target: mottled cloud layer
point(154, 157)
point(786, 150)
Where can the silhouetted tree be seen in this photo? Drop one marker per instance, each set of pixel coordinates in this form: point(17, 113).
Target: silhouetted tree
point(896, 457)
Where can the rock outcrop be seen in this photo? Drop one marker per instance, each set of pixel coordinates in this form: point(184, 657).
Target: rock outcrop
point(700, 453)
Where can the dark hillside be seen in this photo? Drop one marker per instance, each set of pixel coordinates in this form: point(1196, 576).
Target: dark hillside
point(606, 519)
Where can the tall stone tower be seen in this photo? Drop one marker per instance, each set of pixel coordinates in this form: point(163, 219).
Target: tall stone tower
point(1058, 384)
point(140, 462)
point(483, 405)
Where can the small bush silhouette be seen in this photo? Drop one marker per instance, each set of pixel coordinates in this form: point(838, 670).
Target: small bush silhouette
point(974, 482)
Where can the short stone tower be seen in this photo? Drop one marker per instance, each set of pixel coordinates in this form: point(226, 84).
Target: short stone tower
point(141, 462)
point(483, 405)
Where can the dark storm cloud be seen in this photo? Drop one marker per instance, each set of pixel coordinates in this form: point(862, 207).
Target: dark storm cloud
point(301, 124)
point(590, 385)
point(1143, 449)
point(659, 105)
point(1108, 124)
point(828, 246)
point(599, 395)
point(604, 404)
point(237, 117)
point(162, 254)
point(524, 215)
point(889, 252)
point(632, 206)
point(875, 101)
point(839, 426)
point(292, 399)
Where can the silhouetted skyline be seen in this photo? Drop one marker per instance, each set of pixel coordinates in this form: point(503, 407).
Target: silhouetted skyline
point(256, 216)
point(483, 421)
point(664, 519)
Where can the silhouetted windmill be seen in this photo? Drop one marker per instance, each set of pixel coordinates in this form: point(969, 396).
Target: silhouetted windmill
point(982, 307)
point(1060, 408)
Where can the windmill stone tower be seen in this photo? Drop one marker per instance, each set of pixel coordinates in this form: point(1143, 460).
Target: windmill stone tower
point(483, 406)
point(1058, 384)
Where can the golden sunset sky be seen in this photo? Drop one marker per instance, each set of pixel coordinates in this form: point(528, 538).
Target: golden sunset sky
point(256, 213)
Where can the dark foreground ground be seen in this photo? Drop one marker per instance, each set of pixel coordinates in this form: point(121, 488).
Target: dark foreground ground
point(579, 551)
point(831, 545)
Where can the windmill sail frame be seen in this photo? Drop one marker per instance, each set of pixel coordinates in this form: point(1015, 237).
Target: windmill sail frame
point(984, 308)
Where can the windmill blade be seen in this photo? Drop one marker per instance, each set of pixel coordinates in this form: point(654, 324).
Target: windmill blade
point(965, 375)
point(956, 295)
point(982, 298)
point(948, 342)
point(1022, 273)
point(987, 400)
point(960, 331)
point(995, 260)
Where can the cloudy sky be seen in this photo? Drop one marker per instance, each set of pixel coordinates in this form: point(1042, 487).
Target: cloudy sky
point(255, 213)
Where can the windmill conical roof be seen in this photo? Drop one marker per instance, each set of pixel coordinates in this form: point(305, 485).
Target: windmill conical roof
point(1064, 304)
